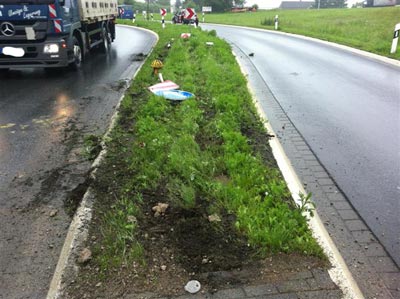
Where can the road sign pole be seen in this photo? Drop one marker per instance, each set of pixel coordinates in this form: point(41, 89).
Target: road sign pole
point(395, 38)
point(163, 22)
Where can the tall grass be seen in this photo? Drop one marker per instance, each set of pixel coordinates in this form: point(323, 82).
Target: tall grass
point(369, 29)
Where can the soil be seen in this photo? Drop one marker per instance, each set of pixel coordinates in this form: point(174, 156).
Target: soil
point(179, 245)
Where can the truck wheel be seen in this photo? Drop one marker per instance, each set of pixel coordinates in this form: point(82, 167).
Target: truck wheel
point(77, 54)
point(106, 36)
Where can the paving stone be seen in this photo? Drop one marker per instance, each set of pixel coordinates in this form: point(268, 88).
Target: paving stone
point(383, 264)
point(277, 296)
point(323, 279)
point(321, 175)
point(395, 293)
point(336, 197)
point(325, 182)
point(342, 205)
point(329, 189)
point(260, 290)
point(316, 284)
point(193, 296)
point(348, 214)
point(314, 163)
point(146, 295)
point(293, 286)
point(355, 225)
point(364, 237)
point(301, 275)
point(391, 280)
point(374, 250)
point(229, 293)
point(332, 294)
point(317, 168)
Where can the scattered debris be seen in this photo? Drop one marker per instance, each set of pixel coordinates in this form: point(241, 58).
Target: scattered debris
point(132, 219)
point(156, 65)
point(160, 209)
point(174, 95)
point(85, 256)
point(209, 43)
point(193, 286)
point(185, 35)
point(214, 218)
point(251, 54)
point(166, 85)
point(53, 212)
point(6, 126)
point(138, 57)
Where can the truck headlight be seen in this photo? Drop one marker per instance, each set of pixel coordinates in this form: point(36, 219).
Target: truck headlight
point(51, 48)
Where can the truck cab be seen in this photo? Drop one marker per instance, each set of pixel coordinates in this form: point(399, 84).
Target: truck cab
point(54, 33)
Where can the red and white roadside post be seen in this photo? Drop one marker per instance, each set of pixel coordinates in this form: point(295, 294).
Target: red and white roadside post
point(163, 13)
point(395, 38)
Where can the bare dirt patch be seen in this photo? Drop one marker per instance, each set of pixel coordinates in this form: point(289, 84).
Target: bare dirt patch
point(179, 245)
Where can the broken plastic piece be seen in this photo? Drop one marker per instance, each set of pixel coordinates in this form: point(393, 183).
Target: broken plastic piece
point(175, 95)
point(166, 85)
point(185, 35)
point(193, 286)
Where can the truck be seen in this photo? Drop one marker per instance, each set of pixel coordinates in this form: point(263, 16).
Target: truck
point(54, 33)
point(125, 11)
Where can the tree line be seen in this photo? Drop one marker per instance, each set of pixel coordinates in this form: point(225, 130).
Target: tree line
point(155, 5)
point(217, 5)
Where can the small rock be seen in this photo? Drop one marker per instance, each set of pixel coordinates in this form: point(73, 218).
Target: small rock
point(132, 219)
point(163, 267)
point(98, 285)
point(160, 209)
point(204, 261)
point(85, 256)
point(53, 213)
point(214, 218)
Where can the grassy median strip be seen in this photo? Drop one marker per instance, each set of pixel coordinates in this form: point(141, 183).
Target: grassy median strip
point(207, 156)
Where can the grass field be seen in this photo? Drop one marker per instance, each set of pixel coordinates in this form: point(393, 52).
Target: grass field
point(369, 29)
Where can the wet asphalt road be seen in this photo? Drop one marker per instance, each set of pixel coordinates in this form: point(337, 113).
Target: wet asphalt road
point(44, 117)
point(347, 108)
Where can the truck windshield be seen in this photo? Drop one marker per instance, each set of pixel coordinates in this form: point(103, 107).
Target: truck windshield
point(17, 2)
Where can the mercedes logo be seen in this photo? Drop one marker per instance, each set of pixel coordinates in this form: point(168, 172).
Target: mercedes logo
point(7, 29)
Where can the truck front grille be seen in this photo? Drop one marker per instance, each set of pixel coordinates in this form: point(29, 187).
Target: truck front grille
point(20, 32)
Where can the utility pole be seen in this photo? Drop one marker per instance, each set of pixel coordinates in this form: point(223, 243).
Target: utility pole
point(148, 11)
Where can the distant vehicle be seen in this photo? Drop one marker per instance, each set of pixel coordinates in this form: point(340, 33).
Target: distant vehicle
point(54, 33)
point(179, 18)
point(125, 12)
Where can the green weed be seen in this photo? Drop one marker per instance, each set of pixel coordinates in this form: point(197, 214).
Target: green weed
point(199, 153)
